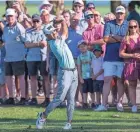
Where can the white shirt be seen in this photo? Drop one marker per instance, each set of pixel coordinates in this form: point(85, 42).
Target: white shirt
point(97, 65)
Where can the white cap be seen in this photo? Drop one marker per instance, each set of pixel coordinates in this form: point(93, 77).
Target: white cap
point(45, 2)
point(79, 1)
point(81, 42)
point(11, 12)
point(88, 12)
point(44, 10)
point(120, 9)
point(48, 29)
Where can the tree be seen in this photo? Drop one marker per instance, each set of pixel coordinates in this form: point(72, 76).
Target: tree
point(114, 4)
point(58, 7)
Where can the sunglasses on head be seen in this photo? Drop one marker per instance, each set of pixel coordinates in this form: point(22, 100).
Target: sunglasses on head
point(35, 21)
point(89, 17)
point(135, 26)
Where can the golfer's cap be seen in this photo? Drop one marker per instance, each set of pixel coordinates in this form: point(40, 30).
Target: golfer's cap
point(49, 29)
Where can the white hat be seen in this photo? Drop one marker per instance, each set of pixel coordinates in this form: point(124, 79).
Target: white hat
point(81, 42)
point(11, 12)
point(44, 10)
point(120, 9)
point(78, 1)
point(88, 12)
point(48, 29)
point(45, 2)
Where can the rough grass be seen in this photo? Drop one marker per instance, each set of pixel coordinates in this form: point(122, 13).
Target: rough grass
point(22, 119)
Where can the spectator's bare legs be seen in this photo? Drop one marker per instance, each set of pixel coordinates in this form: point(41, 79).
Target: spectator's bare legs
point(22, 85)
point(85, 98)
point(33, 86)
point(98, 98)
point(93, 98)
point(120, 90)
point(106, 89)
point(132, 91)
point(2, 91)
point(9, 81)
point(17, 84)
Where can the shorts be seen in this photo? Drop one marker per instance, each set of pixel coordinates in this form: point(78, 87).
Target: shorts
point(88, 86)
point(16, 68)
point(98, 85)
point(113, 69)
point(34, 66)
point(53, 66)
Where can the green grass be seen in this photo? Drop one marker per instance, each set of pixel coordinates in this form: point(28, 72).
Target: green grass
point(22, 119)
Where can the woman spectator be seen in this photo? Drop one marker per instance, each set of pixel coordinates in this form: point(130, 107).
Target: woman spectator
point(67, 15)
point(130, 51)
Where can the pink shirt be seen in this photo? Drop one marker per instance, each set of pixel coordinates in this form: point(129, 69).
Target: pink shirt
point(95, 33)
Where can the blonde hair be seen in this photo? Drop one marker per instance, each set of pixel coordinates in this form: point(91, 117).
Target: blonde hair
point(127, 37)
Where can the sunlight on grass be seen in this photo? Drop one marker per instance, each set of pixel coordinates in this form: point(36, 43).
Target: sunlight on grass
point(15, 119)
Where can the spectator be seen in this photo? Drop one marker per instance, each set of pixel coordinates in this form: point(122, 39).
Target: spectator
point(130, 51)
point(97, 73)
point(97, 17)
point(67, 16)
point(133, 14)
point(84, 71)
point(67, 74)
point(109, 17)
point(78, 7)
point(15, 53)
point(36, 56)
point(90, 6)
point(46, 5)
point(113, 65)
point(94, 33)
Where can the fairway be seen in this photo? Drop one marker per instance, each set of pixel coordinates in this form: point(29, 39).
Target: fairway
point(22, 119)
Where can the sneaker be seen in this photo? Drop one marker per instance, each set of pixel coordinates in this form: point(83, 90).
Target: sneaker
point(85, 105)
point(101, 108)
point(46, 102)
point(120, 107)
point(22, 101)
point(33, 101)
point(10, 101)
point(40, 122)
point(67, 126)
point(134, 109)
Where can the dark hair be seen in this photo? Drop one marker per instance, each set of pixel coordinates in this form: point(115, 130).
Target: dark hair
point(66, 11)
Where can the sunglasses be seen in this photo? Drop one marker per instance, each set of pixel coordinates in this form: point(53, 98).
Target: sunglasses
point(35, 21)
point(90, 8)
point(89, 17)
point(131, 27)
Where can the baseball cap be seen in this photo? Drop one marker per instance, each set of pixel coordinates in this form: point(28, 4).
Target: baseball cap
point(10, 11)
point(81, 42)
point(97, 47)
point(120, 9)
point(45, 2)
point(49, 29)
point(36, 17)
point(90, 5)
point(44, 11)
point(87, 13)
point(78, 2)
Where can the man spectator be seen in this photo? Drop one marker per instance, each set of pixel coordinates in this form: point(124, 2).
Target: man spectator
point(113, 65)
point(15, 54)
point(90, 6)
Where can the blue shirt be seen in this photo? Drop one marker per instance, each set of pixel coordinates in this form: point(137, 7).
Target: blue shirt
point(72, 41)
point(36, 53)
point(14, 38)
point(112, 49)
point(62, 53)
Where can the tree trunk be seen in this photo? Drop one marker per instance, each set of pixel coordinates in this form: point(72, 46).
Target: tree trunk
point(114, 4)
point(58, 7)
